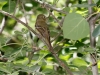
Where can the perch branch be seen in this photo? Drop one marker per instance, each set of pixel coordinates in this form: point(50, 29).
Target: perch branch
point(11, 16)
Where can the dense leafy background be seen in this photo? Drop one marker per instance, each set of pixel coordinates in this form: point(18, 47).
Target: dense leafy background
point(72, 46)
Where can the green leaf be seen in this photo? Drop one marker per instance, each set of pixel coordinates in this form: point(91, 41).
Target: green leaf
point(39, 73)
point(46, 71)
point(75, 26)
point(14, 73)
point(24, 30)
point(53, 33)
point(35, 57)
point(96, 31)
point(99, 64)
point(98, 43)
point(18, 32)
point(95, 1)
point(2, 3)
point(79, 62)
point(4, 69)
point(83, 5)
point(3, 40)
point(55, 1)
point(34, 68)
point(10, 6)
point(82, 68)
point(20, 37)
point(81, 50)
point(66, 9)
point(89, 49)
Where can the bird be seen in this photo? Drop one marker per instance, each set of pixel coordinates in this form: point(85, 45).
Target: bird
point(42, 27)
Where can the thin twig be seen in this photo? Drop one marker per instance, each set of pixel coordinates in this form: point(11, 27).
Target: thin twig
point(3, 59)
point(55, 19)
point(21, 2)
point(61, 63)
point(90, 16)
point(16, 7)
point(57, 36)
point(61, 22)
point(51, 7)
point(62, 41)
point(2, 25)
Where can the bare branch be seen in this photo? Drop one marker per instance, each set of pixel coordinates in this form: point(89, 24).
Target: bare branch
point(61, 63)
point(55, 19)
point(91, 15)
point(24, 11)
point(92, 21)
point(2, 25)
point(16, 7)
point(56, 36)
point(26, 25)
point(51, 7)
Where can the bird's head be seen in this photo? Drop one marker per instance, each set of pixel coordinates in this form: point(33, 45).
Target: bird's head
point(41, 17)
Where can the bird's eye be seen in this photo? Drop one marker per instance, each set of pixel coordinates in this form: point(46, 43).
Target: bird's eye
point(43, 17)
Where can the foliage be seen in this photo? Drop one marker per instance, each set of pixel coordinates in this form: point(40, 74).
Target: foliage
point(76, 26)
point(18, 44)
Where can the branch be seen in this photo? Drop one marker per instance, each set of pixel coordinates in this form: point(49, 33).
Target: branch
point(3, 24)
point(55, 19)
point(61, 63)
point(26, 25)
point(23, 9)
point(50, 6)
point(90, 16)
point(56, 36)
point(92, 21)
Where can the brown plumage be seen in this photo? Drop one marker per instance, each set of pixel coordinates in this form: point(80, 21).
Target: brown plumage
point(42, 28)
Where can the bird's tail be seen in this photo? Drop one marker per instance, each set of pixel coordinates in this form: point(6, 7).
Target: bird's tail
point(48, 44)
